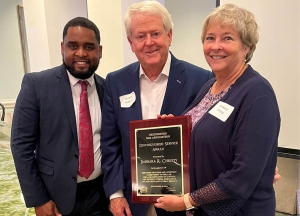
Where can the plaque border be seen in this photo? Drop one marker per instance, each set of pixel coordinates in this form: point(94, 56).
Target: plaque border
point(186, 125)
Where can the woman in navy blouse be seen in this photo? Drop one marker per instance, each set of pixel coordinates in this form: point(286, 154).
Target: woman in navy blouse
point(236, 122)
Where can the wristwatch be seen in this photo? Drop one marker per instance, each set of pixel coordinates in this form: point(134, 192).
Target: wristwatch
point(188, 204)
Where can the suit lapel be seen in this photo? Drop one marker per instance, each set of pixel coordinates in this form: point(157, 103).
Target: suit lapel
point(136, 109)
point(175, 85)
point(63, 85)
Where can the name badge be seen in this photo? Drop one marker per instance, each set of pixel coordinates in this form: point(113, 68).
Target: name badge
point(221, 111)
point(127, 100)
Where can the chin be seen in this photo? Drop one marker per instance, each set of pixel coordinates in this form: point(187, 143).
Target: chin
point(153, 62)
point(81, 74)
point(216, 69)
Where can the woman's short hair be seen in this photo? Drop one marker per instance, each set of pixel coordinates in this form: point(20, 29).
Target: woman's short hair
point(147, 8)
point(241, 19)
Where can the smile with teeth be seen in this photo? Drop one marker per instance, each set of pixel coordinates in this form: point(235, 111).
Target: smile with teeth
point(151, 52)
point(217, 57)
point(81, 62)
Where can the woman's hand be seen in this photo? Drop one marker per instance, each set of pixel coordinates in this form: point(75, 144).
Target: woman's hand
point(164, 116)
point(171, 203)
point(276, 176)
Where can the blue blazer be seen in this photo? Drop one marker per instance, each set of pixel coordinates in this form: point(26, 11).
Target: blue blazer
point(44, 138)
point(184, 82)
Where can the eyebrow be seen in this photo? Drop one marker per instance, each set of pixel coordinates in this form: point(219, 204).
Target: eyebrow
point(86, 43)
point(225, 33)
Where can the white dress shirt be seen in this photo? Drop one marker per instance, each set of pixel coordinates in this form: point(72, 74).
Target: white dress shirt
point(152, 96)
point(153, 92)
point(95, 112)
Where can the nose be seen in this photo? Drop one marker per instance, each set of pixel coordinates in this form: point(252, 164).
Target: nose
point(149, 40)
point(216, 45)
point(80, 52)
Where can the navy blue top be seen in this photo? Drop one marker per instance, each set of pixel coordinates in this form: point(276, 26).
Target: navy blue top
point(232, 163)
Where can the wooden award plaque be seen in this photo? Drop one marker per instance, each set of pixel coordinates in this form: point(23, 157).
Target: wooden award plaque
point(159, 158)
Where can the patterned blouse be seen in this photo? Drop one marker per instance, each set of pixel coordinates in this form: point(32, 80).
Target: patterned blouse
point(205, 104)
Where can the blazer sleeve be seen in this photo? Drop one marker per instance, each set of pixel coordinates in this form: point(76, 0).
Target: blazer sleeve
point(24, 137)
point(111, 144)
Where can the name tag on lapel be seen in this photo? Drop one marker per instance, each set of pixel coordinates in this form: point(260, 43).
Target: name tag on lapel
point(221, 111)
point(127, 100)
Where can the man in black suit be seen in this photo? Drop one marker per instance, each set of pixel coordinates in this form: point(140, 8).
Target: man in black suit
point(46, 139)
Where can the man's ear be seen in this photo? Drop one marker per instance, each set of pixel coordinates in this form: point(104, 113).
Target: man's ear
point(170, 33)
point(130, 43)
point(100, 51)
point(129, 40)
point(62, 48)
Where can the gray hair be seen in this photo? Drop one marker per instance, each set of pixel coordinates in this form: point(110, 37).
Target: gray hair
point(147, 8)
point(241, 19)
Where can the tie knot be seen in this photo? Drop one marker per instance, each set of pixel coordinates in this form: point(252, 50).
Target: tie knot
point(83, 84)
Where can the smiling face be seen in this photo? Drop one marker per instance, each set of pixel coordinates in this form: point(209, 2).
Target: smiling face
point(223, 48)
point(81, 52)
point(149, 41)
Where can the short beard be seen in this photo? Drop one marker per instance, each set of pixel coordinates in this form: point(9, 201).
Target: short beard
point(79, 74)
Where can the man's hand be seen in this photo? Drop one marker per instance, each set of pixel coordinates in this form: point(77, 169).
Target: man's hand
point(164, 116)
point(119, 207)
point(48, 209)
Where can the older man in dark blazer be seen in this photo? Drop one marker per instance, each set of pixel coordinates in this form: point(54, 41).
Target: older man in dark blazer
point(158, 83)
point(47, 138)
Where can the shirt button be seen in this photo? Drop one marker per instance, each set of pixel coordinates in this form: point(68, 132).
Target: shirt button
point(76, 156)
point(74, 179)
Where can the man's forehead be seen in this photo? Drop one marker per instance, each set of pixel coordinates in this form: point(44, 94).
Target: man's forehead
point(79, 33)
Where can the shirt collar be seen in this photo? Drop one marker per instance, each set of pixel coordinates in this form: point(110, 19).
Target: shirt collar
point(165, 70)
point(74, 80)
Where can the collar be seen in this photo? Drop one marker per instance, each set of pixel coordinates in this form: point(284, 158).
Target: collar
point(74, 81)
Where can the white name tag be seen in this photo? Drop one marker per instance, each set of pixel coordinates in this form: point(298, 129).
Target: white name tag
point(221, 111)
point(127, 100)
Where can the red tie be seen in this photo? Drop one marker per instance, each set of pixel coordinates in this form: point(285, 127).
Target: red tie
point(86, 149)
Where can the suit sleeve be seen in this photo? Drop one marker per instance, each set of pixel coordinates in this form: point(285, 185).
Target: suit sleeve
point(111, 144)
point(24, 138)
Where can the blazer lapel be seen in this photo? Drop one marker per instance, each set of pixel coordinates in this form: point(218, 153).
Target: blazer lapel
point(136, 108)
point(175, 85)
point(64, 88)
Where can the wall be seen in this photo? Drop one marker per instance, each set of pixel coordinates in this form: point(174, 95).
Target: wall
point(37, 38)
point(277, 58)
point(11, 61)
point(56, 19)
point(187, 17)
point(44, 22)
point(108, 17)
